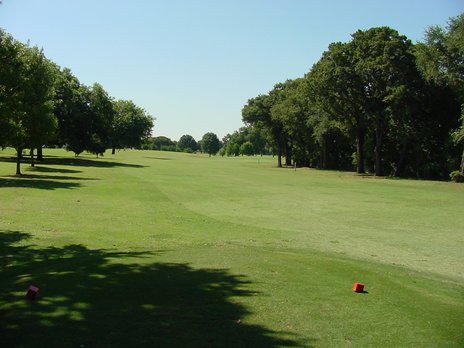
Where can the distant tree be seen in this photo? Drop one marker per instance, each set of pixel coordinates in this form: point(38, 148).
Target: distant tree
point(247, 149)
point(187, 143)
point(157, 143)
point(257, 113)
point(210, 144)
point(232, 149)
point(131, 125)
point(257, 138)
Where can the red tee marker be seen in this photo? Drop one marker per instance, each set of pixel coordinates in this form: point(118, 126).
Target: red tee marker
point(32, 292)
point(358, 287)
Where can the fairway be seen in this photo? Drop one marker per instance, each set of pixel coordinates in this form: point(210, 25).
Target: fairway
point(149, 248)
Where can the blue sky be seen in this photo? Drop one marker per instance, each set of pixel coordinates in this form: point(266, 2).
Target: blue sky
point(194, 64)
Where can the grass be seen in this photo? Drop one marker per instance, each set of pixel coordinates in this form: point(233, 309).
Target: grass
point(165, 249)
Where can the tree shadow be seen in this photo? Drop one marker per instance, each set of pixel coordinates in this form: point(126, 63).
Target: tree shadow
point(84, 162)
point(87, 299)
point(75, 161)
point(44, 184)
point(50, 177)
point(56, 170)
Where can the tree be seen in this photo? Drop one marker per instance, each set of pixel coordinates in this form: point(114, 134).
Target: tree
point(10, 82)
point(360, 82)
point(233, 142)
point(131, 125)
point(102, 113)
point(386, 67)
point(441, 56)
point(38, 101)
point(337, 92)
point(441, 59)
point(187, 143)
point(85, 115)
point(458, 137)
point(210, 144)
point(257, 113)
point(247, 149)
point(289, 110)
point(72, 109)
point(158, 143)
point(26, 97)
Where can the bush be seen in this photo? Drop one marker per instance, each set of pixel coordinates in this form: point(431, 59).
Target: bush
point(457, 176)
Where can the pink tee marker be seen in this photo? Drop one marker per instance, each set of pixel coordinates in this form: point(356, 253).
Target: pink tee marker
point(32, 292)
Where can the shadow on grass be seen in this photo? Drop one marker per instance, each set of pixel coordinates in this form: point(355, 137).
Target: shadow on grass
point(44, 184)
point(56, 170)
point(75, 161)
point(49, 177)
point(87, 299)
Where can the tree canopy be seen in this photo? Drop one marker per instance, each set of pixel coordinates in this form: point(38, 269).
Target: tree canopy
point(210, 143)
point(40, 104)
point(378, 103)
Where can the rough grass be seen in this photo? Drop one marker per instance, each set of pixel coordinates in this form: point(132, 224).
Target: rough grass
point(164, 249)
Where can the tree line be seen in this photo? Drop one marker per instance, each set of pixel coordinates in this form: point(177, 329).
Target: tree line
point(378, 104)
point(43, 104)
point(209, 144)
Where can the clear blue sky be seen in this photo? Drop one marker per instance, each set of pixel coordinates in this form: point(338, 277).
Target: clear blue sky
point(193, 64)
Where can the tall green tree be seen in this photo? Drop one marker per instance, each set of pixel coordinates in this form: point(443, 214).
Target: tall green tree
point(131, 125)
point(102, 116)
point(38, 101)
point(210, 143)
point(72, 109)
point(26, 97)
point(385, 64)
point(11, 67)
point(441, 59)
point(337, 92)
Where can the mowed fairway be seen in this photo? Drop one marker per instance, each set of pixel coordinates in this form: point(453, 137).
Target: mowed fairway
point(150, 249)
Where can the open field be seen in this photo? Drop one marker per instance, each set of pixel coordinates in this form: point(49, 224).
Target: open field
point(149, 248)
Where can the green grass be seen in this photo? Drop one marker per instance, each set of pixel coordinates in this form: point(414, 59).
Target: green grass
point(164, 249)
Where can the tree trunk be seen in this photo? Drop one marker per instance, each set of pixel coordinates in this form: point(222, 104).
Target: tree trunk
point(378, 152)
point(32, 157)
point(401, 165)
point(39, 154)
point(288, 155)
point(360, 169)
point(18, 161)
point(324, 153)
point(462, 162)
point(279, 160)
point(113, 151)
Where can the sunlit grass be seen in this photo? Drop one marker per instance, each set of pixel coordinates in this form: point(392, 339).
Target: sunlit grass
point(270, 254)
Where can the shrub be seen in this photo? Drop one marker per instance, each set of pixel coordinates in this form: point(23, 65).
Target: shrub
point(457, 176)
